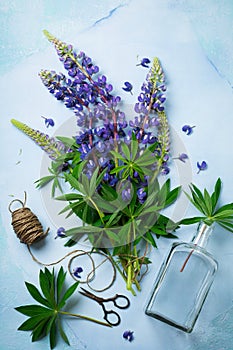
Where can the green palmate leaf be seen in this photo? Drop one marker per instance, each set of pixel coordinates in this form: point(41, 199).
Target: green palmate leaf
point(150, 239)
point(224, 214)
point(125, 150)
point(46, 283)
point(193, 201)
point(62, 333)
point(32, 322)
point(172, 196)
point(69, 197)
point(194, 220)
point(145, 159)
point(36, 294)
point(42, 320)
point(208, 205)
point(73, 182)
point(208, 201)
point(68, 294)
point(52, 335)
point(86, 185)
point(44, 180)
point(30, 310)
point(60, 282)
point(215, 195)
point(158, 231)
point(118, 169)
point(39, 331)
point(134, 149)
point(118, 156)
point(112, 235)
point(225, 207)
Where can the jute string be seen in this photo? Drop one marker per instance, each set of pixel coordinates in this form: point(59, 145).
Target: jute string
point(29, 230)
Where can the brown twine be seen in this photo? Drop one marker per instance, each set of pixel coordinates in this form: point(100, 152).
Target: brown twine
point(29, 230)
point(90, 275)
point(26, 224)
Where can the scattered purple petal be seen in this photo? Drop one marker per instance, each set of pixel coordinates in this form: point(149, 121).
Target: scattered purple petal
point(48, 121)
point(144, 62)
point(60, 232)
point(128, 87)
point(183, 157)
point(128, 335)
point(77, 272)
point(202, 166)
point(188, 129)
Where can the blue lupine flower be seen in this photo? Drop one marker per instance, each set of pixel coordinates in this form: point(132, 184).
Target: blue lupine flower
point(126, 194)
point(128, 87)
point(48, 121)
point(141, 195)
point(77, 272)
point(188, 129)
point(144, 62)
point(183, 157)
point(128, 335)
point(202, 166)
point(60, 232)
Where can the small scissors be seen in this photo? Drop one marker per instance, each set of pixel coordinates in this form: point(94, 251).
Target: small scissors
point(102, 301)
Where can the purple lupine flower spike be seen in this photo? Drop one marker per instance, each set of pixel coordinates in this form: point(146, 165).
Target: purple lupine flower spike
point(54, 148)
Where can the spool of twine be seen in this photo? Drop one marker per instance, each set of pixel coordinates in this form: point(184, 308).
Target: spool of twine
point(29, 230)
point(26, 224)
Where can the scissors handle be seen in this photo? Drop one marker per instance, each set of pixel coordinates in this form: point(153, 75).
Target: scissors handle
point(117, 301)
point(116, 315)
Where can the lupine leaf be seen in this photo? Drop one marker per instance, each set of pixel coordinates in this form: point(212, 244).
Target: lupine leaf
point(52, 335)
point(69, 197)
point(60, 282)
point(62, 333)
point(44, 181)
point(150, 239)
point(126, 151)
point(39, 331)
point(134, 149)
point(189, 221)
point(224, 208)
point(208, 202)
point(30, 310)
point(215, 195)
point(68, 294)
point(36, 294)
point(172, 196)
point(31, 323)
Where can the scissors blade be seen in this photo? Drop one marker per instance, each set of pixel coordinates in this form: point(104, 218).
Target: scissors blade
point(90, 295)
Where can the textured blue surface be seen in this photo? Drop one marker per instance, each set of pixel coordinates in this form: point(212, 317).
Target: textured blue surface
point(193, 39)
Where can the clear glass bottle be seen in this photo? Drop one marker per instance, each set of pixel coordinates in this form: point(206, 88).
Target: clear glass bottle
point(183, 282)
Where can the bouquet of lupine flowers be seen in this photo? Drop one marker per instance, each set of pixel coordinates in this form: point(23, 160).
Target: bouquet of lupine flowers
point(112, 163)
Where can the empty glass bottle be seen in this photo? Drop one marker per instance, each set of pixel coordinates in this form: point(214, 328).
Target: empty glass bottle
point(183, 282)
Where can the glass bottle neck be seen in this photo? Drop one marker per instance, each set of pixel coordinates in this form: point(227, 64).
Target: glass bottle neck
point(202, 235)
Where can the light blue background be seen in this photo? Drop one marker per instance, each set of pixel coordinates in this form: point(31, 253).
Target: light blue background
point(193, 40)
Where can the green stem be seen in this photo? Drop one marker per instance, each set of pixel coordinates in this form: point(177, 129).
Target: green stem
point(120, 272)
point(129, 277)
point(85, 318)
point(97, 209)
